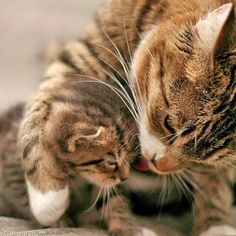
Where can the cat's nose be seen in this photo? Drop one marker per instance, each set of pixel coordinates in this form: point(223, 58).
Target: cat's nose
point(123, 173)
point(167, 163)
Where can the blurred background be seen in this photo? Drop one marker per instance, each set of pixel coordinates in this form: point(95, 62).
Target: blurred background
point(26, 28)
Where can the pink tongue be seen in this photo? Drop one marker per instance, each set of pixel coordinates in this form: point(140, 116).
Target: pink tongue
point(142, 165)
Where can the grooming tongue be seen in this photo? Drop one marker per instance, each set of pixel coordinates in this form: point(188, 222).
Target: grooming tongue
point(142, 165)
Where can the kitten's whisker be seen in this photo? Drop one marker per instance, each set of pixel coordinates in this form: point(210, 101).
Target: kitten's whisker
point(125, 163)
point(118, 193)
point(95, 202)
point(125, 142)
point(107, 201)
point(103, 203)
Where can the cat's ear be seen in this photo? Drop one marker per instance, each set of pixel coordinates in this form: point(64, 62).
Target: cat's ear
point(84, 136)
point(216, 29)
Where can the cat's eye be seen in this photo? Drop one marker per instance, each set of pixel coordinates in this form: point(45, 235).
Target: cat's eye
point(168, 124)
point(90, 163)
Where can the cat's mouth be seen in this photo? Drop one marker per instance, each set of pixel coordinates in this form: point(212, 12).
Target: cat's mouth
point(142, 165)
point(162, 166)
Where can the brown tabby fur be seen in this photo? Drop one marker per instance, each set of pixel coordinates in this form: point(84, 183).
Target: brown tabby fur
point(179, 63)
point(113, 213)
point(13, 192)
point(12, 181)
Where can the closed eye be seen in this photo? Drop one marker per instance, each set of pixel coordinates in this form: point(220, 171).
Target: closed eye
point(90, 163)
point(188, 130)
point(168, 125)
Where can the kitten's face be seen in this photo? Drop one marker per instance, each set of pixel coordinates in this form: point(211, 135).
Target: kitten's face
point(186, 78)
point(93, 152)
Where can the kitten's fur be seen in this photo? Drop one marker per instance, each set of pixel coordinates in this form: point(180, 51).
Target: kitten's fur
point(175, 57)
point(88, 141)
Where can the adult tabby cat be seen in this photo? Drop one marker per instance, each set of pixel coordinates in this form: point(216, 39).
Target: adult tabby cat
point(88, 140)
point(182, 58)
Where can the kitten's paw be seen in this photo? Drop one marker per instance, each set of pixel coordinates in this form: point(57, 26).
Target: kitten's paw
point(49, 207)
point(133, 232)
point(146, 232)
point(219, 230)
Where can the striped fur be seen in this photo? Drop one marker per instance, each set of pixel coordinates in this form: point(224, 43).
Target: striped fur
point(97, 157)
point(179, 87)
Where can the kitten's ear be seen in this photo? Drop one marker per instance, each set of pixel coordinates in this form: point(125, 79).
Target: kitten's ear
point(216, 29)
point(83, 136)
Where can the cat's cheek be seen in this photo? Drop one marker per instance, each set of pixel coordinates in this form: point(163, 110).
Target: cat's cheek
point(150, 145)
point(49, 207)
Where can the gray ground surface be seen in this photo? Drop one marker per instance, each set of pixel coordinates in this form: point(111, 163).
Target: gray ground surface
point(26, 27)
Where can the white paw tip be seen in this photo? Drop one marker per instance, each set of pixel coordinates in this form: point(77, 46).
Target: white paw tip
point(49, 207)
point(220, 230)
point(147, 232)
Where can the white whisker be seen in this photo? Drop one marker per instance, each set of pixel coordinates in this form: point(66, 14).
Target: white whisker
point(114, 89)
point(95, 202)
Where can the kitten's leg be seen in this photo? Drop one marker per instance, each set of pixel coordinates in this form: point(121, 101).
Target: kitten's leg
point(119, 219)
point(219, 230)
point(47, 186)
point(213, 204)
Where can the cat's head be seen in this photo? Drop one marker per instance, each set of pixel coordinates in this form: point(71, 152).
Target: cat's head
point(89, 143)
point(184, 71)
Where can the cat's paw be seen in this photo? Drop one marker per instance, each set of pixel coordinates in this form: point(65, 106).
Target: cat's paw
point(219, 230)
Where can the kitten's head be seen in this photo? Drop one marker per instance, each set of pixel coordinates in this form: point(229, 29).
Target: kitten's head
point(184, 70)
point(86, 141)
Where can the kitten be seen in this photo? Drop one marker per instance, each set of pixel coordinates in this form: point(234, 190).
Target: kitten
point(85, 140)
point(180, 56)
